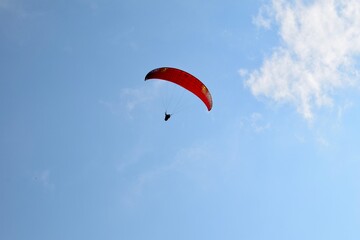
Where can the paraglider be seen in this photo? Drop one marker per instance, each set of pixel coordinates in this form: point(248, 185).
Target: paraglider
point(185, 80)
point(167, 116)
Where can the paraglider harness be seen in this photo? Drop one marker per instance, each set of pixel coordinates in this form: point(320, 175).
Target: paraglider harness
point(167, 116)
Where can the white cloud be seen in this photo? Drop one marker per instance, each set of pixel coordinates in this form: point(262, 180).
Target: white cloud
point(261, 20)
point(320, 41)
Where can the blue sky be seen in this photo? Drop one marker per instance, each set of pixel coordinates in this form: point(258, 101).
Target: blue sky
point(85, 152)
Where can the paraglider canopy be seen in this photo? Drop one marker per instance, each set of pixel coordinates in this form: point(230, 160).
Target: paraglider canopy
point(183, 79)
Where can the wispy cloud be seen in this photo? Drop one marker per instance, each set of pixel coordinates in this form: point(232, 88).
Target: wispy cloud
point(256, 122)
point(43, 178)
point(132, 98)
point(185, 161)
point(320, 43)
point(4, 4)
point(19, 9)
point(191, 163)
point(262, 19)
point(10, 6)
